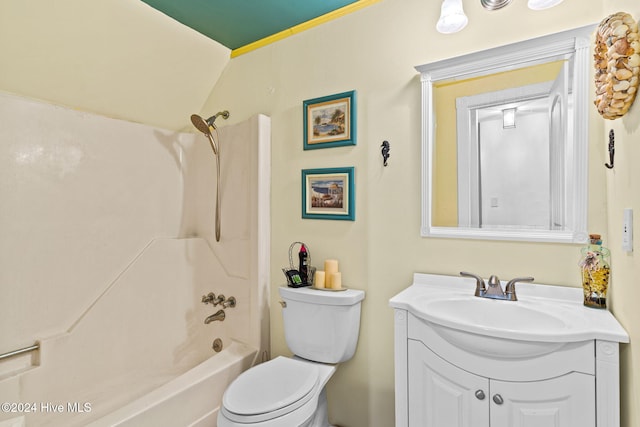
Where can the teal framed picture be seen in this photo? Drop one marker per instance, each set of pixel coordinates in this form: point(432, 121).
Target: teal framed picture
point(328, 193)
point(330, 121)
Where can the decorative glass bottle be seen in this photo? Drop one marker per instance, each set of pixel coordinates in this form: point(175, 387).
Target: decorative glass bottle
point(595, 270)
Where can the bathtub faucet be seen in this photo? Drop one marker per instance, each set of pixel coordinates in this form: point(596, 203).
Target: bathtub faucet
point(206, 299)
point(229, 302)
point(211, 298)
point(219, 315)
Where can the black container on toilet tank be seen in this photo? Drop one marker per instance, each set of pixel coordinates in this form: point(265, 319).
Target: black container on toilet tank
point(303, 256)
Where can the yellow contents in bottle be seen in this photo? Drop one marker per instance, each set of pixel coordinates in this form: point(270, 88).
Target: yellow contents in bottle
point(596, 280)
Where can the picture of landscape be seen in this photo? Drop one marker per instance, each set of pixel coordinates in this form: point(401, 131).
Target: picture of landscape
point(329, 121)
point(328, 193)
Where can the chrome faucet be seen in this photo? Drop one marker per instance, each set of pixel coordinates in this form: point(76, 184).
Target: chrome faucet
point(493, 289)
point(208, 299)
point(229, 302)
point(219, 315)
point(211, 298)
point(480, 286)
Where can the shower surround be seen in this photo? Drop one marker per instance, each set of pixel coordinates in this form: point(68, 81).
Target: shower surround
point(107, 247)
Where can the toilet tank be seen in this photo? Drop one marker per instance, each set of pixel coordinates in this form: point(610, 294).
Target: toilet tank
point(322, 326)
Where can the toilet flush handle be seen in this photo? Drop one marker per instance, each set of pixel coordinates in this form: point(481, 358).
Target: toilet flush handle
point(283, 304)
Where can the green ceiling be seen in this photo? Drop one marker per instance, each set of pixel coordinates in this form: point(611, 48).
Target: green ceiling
point(237, 23)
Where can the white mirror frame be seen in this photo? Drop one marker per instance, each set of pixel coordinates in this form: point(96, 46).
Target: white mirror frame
point(553, 47)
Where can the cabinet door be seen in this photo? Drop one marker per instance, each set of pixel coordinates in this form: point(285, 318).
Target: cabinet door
point(566, 401)
point(440, 394)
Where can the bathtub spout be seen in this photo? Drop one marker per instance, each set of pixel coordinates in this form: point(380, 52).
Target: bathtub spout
point(219, 315)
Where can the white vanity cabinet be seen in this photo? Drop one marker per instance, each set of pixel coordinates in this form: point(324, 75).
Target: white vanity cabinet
point(460, 368)
point(442, 394)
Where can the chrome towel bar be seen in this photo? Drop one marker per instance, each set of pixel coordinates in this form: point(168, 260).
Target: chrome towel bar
point(19, 351)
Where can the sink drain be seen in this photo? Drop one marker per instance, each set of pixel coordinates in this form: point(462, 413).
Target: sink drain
point(217, 345)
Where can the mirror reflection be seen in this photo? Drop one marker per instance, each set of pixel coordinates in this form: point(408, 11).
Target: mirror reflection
point(501, 151)
point(500, 131)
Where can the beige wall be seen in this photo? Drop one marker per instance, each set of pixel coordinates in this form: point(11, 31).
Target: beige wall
point(623, 183)
point(374, 51)
point(118, 58)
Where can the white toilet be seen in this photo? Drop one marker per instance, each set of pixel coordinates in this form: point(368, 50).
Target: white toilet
point(321, 329)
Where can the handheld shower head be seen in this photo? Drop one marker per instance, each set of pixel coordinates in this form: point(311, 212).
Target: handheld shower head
point(204, 125)
point(201, 124)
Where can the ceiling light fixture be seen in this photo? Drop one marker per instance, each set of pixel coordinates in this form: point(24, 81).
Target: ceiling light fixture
point(494, 4)
point(452, 17)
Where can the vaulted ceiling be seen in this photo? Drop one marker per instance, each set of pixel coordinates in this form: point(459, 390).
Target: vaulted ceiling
point(238, 23)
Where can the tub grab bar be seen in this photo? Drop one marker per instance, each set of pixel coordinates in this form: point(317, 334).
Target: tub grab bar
point(19, 351)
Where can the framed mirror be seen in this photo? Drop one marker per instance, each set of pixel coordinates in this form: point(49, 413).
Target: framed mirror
point(505, 141)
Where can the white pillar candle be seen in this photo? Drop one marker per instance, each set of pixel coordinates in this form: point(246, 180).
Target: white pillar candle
point(319, 279)
point(336, 281)
point(330, 267)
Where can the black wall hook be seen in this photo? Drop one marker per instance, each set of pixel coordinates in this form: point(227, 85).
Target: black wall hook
point(612, 149)
point(385, 152)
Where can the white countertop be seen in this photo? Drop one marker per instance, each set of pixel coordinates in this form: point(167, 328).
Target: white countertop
point(544, 313)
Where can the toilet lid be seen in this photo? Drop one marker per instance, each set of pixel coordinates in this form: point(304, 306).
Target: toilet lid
point(279, 384)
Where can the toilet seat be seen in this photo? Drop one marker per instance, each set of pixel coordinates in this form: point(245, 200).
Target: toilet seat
point(270, 390)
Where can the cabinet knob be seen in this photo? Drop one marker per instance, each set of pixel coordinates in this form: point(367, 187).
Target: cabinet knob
point(498, 399)
point(480, 394)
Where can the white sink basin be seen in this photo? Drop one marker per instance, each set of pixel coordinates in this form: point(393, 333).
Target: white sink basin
point(491, 314)
point(543, 319)
point(478, 325)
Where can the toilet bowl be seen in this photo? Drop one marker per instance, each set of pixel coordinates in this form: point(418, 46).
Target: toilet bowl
point(322, 329)
point(281, 392)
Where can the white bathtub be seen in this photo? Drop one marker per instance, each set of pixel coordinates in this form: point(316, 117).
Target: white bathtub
point(142, 357)
point(190, 400)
